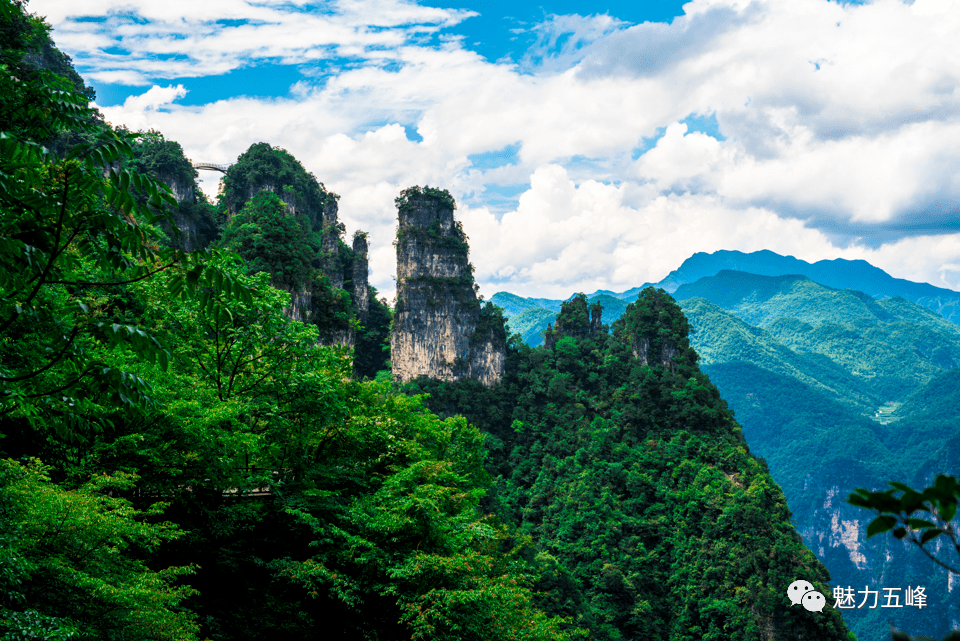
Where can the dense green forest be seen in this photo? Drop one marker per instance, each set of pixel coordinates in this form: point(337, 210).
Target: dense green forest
point(180, 459)
point(636, 485)
point(835, 390)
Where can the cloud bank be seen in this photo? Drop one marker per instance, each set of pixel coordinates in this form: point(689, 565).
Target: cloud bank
point(831, 130)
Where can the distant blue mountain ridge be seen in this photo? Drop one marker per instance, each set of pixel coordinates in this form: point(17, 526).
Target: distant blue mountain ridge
point(858, 275)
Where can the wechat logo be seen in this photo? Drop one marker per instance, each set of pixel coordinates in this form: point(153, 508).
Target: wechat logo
point(802, 592)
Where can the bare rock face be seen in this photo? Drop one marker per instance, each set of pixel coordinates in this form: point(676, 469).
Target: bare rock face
point(596, 313)
point(361, 272)
point(663, 356)
point(332, 229)
point(437, 328)
point(550, 337)
point(193, 233)
point(182, 190)
point(300, 302)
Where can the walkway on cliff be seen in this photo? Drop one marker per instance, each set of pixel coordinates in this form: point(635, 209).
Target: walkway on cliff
point(211, 166)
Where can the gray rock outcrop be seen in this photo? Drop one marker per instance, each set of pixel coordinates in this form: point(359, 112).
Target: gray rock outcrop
point(437, 331)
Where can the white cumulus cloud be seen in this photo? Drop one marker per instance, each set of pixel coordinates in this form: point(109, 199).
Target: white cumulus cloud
point(825, 129)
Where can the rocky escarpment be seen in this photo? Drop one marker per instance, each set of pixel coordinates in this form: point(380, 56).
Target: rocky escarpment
point(440, 329)
point(326, 278)
point(194, 219)
point(333, 229)
point(359, 289)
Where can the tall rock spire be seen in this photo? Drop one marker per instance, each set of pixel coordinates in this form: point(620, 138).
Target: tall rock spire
point(360, 294)
point(439, 329)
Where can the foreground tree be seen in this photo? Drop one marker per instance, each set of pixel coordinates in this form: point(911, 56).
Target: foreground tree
point(917, 516)
point(64, 572)
point(74, 228)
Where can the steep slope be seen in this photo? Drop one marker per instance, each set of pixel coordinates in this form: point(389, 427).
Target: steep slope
point(819, 450)
point(618, 456)
point(720, 337)
point(283, 221)
point(806, 386)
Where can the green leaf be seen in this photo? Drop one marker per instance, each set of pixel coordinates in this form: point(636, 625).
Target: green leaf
point(948, 510)
point(918, 524)
point(929, 535)
point(860, 498)
point(880, 525)
point(193, 276)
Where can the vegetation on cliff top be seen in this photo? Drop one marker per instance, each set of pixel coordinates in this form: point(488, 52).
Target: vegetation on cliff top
point(281, 230)
point(440, 196)
point(262, 166)
point(271, 242)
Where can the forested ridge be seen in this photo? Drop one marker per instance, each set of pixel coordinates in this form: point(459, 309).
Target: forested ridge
point(836, 390)
point(647, 510)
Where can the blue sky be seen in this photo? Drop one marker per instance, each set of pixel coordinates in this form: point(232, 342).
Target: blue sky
point(498, 31)
point(588, 148)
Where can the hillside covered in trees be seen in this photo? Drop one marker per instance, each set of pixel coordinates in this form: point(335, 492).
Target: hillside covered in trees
point(618, 457)
point(835, 390)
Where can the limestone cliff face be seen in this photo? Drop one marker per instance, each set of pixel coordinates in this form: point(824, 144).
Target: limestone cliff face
point(439, 330)
point(332, 228)
point(662, 354)
point(361, 272)
point(596, 316)
point(301, 300)
point(837, 533)
point(194, 234)
point(317, 297)
point(183, 190)
point(488, 357)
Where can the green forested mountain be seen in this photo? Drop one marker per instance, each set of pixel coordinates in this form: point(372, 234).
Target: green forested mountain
point(839, 273)
point(890, 346)
point(647, 509)
point(818, 449)
point(864, 355)
point(807, 370)
point(721, 337)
